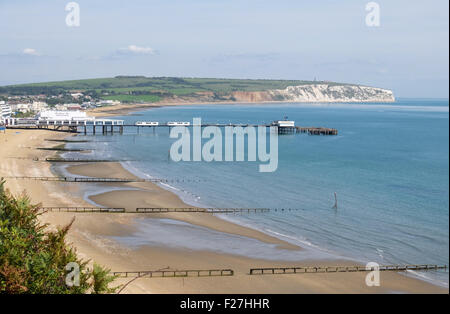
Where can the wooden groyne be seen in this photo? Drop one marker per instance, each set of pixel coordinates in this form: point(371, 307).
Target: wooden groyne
point(271, 271)
point(60, 149)
point(75, 179)
point(67, 141)
point(80, 160)
point(82, 209)
point(175, 273)
point(100, 180)
point(202, 210)
point(339, 269)
point(69, 160)
point(142, 210)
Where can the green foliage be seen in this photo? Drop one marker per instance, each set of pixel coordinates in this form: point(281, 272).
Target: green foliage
point(33, 260)
point(24, 115)
point(133, 98)
point(129, 86)
point(102, 279)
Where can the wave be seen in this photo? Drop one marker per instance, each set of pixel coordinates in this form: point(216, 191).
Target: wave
point(428, 278)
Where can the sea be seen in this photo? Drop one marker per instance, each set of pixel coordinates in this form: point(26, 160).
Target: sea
point(389, 168)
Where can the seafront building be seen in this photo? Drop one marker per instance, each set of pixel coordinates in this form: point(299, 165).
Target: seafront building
point(67, 120)
point(22, 108)
point(284, 123)
point(5, 111)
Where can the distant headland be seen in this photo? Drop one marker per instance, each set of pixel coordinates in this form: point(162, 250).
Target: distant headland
point(132, 90)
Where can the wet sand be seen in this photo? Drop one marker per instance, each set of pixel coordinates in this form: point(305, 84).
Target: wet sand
point(151, 195)
point(92, 234)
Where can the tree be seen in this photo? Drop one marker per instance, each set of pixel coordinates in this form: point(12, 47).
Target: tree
point(33, 260)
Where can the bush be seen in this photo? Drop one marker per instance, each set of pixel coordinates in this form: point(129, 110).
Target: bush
point(33, 260)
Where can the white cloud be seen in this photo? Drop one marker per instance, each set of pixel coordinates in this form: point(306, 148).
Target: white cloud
point(133, 49)
point(30, 52)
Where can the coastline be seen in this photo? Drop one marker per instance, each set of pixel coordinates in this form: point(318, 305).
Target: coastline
point(92, 234)
point(124, 109)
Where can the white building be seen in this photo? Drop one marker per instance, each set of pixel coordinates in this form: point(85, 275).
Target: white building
point(39, 106)
point(284, 123)
point(73, 118)
point(108, 103)
point(76, 95)
point(62, 115)
point(24, 108)
point(5, 110)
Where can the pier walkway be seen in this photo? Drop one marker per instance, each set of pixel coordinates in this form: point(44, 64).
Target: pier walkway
point(110, 126)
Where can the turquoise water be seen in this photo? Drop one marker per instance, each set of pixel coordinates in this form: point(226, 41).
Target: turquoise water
point(389, 166)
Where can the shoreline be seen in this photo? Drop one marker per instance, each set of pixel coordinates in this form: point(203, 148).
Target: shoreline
point(124, 109)
point(133, 195)
point(92, 235)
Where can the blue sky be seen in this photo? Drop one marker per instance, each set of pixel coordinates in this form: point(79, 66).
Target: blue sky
point(284, 39)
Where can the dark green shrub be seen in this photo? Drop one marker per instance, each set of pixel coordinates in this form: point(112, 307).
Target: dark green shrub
point(33, 260)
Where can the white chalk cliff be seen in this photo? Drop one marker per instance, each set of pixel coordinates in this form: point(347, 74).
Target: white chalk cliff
point(332, 93)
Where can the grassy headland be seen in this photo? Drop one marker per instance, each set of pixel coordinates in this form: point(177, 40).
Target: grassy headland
point(138, 89)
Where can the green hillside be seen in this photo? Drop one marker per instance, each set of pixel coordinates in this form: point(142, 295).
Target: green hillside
point(148, 89)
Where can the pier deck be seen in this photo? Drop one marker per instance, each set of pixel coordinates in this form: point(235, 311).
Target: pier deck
point(111, 126)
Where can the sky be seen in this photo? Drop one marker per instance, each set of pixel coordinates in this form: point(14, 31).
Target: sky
point(407, 52)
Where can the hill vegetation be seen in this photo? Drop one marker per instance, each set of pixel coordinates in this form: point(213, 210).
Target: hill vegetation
point(150, 89)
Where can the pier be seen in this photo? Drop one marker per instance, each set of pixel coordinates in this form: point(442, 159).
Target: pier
point(109, 126)
point(316, 131)
point(280, 129)
point(65, 125)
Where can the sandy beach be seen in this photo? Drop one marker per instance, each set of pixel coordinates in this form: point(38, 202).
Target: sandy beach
point(93, 235)
point(123, 109)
